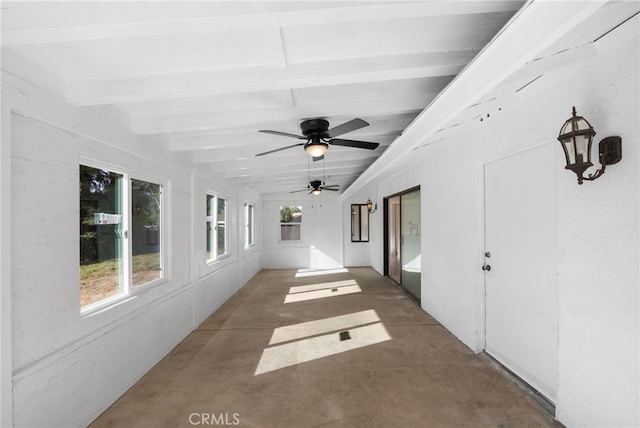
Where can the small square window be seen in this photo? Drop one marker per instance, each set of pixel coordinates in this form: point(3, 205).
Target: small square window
point(290, 223)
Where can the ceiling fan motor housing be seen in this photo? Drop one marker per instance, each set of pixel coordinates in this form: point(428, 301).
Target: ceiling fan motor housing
point(313, 127)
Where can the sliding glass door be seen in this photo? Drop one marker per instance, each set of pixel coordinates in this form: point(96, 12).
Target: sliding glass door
point(402, 241)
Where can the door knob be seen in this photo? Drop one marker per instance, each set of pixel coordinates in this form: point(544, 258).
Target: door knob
point(486, 268)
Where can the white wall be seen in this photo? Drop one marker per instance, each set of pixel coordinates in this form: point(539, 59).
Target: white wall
point(321, 246)
point(598, 241)
point(67, 368)
point(598, 231)
point(358, 253)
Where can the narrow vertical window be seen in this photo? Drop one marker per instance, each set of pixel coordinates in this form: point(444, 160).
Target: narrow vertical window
point(145, 232)
point(249, 232)
point(211, 227)
point(221, 223)
point(290, 223)
point(101, 235)
point(359, 223)
point(217, 233)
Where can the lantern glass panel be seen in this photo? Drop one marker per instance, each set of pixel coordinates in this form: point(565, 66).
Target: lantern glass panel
point(569, 152)
point(583, 143)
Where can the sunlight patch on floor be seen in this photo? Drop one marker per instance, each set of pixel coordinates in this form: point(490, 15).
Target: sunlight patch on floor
point(315, 328)
point(303, 273)
point(345, 337)
point(321, 294)
point(322, 286)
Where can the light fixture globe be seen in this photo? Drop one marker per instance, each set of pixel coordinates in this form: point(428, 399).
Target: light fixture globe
point(576, 136)
point(316, 147)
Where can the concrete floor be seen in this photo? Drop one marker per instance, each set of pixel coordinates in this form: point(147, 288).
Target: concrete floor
point(397, 368)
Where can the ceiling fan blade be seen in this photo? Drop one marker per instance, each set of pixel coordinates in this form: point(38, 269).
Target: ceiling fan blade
point(354, 143)
point(283, 134)
point(296, 191)
point(318, 158)
point(352, 125)
point(329, 189)
point(281, 148)
point(329, 186)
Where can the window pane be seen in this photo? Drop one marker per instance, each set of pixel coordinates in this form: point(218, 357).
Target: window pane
point(210, 226)
point(101, 267)
point(355, 223)
point(250, 225)
point(290, 223)
point(145, 232)
point(364, 223)
point(222, 226)
point(290, 232)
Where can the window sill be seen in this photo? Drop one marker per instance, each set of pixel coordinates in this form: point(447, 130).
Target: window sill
point(111, 302)
point(213, 262)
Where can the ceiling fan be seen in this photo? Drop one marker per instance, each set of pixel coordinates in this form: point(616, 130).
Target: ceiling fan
point(316, 186)
point(318, 137)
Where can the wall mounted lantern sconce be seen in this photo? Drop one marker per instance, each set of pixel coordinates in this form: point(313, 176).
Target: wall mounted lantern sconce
point(576, 136)
point(371, 207)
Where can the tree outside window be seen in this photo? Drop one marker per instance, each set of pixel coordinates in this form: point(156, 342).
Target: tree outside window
point(290, 223)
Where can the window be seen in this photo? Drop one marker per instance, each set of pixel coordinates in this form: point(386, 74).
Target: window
point(359, 223)
point(120, 234)
point(216, 227)
point(290, 223)
point(145, 232)
point(249, 228)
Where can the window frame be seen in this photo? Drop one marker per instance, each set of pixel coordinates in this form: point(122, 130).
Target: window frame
point(249, 225)
point(215, 220)
point(359, 214)
point(127, 288)
point(280, 224)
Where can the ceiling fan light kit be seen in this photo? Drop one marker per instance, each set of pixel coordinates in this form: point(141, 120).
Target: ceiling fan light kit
point(316, 149)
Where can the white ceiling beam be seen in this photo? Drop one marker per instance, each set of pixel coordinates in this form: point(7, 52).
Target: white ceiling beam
point(264, 118)
point(208, 24)
point(267, 78)
point(223, 155)
point(235, 144)
point(536, 27)
point(388, 125)
point(298, 180)
point(260, 166)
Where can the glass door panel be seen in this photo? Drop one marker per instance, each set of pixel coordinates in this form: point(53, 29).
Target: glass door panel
point(410, 259)
point(393, 230)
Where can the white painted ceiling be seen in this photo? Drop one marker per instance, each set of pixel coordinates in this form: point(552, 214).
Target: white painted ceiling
point(204, 77)
point(201, 78)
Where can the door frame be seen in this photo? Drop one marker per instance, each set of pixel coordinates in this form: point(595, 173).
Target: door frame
point(385, 222)
point(481, 236)
point(538, 396)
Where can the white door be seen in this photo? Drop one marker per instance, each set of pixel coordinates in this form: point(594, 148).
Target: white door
point(521, 312)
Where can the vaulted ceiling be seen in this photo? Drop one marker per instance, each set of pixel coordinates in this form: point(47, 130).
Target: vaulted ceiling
point(202, 78)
